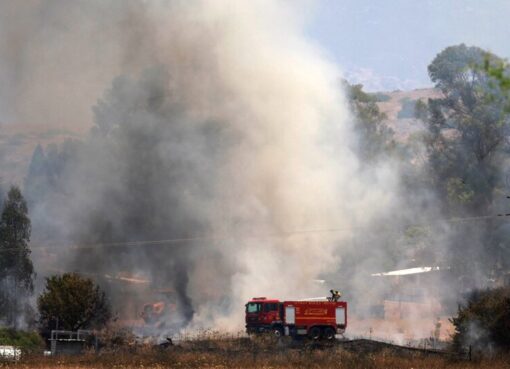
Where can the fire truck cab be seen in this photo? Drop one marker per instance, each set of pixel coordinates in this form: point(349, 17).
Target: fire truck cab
point(316, 319)
point(264, 315)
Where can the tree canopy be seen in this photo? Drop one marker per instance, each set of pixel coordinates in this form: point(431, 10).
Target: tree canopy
point(467, 140)
point(15, 230)
point(484, 320)
point(72, 302)
point(466, 128)
point(16, 269)
point(375, 137)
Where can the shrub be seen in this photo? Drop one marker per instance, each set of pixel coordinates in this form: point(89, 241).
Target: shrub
point(72, 302)
point(484, 321)
point(26, 341)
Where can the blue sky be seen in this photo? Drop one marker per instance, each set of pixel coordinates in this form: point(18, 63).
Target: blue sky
point(387, 44)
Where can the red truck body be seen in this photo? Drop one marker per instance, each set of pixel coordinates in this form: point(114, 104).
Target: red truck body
point(317, 319)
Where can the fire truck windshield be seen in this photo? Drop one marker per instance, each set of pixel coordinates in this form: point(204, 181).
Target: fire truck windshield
point(253, 307)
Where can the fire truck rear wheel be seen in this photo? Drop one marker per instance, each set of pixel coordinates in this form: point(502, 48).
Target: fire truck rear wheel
point(314, 333)
point(329, 333)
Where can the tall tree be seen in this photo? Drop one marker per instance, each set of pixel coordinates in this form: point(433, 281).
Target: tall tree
point(36, 182)
point(375, 137)
point(2, 194)
point(467, 128)
point(47, 169)
point(16, 269)
point(467, 134)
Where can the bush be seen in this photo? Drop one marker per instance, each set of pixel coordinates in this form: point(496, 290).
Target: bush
point(26, 341)
point(484, 322)
point(72, 302)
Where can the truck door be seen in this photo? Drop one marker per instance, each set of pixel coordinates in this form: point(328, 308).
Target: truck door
point(271, 313)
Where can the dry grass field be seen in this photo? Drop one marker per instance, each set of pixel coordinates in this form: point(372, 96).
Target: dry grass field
point(246, 353)
point(284, 359)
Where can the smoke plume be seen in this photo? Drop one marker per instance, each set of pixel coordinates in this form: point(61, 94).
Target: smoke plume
point(224, 127)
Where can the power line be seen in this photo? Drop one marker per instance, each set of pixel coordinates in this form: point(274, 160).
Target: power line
point(214, 238)
point(181, 240)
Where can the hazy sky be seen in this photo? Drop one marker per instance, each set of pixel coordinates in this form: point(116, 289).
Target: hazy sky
point(387, 44)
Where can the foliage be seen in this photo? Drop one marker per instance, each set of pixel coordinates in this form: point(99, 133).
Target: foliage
point(14, 237)
point(2, 195)
point(420, 110)
point(72, 302)
point(47, 169)
point(466, 129)
point(46, 182)
point(484, 321)
point(420, 240)
point(27, 341)
point(499, 71)
point(16, 269)
point(375, 137)
point(466, 142)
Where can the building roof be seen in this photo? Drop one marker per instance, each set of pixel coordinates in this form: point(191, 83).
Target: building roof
point(417, 270)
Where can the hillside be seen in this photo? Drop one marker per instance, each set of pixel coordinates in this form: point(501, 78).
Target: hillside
point(399, 108)
point(18, 141)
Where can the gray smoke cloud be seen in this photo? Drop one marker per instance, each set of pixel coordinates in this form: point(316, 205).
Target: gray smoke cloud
point(225, 122)
point(58, 55)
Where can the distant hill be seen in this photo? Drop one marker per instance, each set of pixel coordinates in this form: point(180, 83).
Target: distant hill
point(17, 141)
point(399, 108)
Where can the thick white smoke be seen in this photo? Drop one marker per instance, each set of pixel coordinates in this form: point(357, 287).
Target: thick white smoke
point(228, 121)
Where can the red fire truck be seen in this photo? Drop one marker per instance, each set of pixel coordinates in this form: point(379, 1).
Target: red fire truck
point(314, 318)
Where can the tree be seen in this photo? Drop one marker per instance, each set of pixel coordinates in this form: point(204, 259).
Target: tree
point(36, 182)
point(500, 72)
point(16, 269)
point(72, 302)
point(375, 137)
point(484, 321)
point(46, 173)
point(466, 128)
point(2, 195)
point(467, 135)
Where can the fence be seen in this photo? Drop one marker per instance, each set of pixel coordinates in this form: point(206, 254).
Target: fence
point(71, 342)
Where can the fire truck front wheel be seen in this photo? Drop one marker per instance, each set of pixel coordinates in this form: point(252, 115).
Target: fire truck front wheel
point(314, 333)
point(278, 331)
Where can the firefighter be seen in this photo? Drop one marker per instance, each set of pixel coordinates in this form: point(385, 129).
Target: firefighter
point(335, 295)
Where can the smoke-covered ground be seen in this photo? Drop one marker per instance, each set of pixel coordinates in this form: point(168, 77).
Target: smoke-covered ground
point(219, 127)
